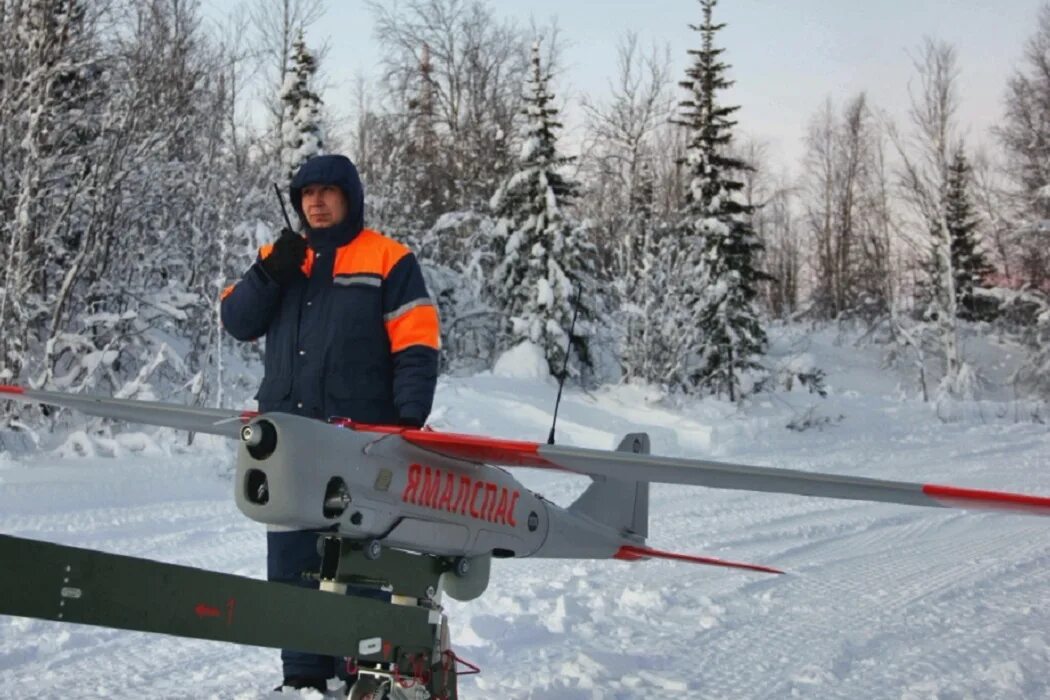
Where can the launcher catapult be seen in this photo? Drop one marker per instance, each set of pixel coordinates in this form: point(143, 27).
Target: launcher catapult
point(417, 513)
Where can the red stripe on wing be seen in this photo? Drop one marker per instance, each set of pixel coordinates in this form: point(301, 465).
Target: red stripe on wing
point(8, 389)
point(632, 553)
point(480, 449)
point(996, 500)
point(473, 448)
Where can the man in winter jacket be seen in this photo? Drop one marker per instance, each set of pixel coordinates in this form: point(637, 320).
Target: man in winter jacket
point(350, 331)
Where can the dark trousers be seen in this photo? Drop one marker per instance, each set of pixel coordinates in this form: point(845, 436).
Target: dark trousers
point(289, 555)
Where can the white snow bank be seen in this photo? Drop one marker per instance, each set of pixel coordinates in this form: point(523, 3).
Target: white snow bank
point(524, 361)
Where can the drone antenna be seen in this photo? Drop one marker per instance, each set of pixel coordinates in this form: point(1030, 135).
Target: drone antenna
point(565, 365)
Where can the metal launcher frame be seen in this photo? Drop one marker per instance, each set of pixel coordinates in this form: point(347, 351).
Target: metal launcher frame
point(405, 639)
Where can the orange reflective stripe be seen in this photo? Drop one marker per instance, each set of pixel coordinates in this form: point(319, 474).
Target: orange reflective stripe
point(227, 292)
point(417, 326)
point(369, 253)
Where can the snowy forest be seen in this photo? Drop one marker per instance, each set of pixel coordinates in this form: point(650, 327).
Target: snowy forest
point(137, 179)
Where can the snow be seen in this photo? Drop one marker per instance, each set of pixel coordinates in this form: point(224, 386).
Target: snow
point(544, 293)
point(880, 601)
point(450, 221)
point(524, 361)
point(529, 147)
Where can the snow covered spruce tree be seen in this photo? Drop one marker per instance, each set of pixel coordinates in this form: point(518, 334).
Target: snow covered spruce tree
point(969, 267)
point(301, 135)
point(969, 263)
point(545, 256)
point(714, 328)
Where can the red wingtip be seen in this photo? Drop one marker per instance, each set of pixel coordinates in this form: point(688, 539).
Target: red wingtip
point(632, 553)
point(996, 500)
point(9, 389)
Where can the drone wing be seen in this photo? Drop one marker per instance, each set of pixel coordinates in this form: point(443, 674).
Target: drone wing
point(627, 466)
point(215, 421)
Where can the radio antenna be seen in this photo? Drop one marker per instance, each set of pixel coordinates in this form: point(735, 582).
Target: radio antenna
point(284, 210)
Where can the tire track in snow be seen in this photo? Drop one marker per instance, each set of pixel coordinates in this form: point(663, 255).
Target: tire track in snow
point(921, 578)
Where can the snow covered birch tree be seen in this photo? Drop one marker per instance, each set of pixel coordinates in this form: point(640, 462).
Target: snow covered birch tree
point(716, 331)
point(545, 256)
point(52, 95)
point(925, 165)
point(843, 188)
point(1025, 136)
point(621, 197)
point(115, 127)
point(301, 134)
point(470, 92)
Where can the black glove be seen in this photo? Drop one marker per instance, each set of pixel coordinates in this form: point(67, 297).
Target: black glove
point(410, 422)
point(285, 261)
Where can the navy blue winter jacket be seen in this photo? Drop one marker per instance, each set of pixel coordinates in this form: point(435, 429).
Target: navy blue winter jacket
point(357, 336)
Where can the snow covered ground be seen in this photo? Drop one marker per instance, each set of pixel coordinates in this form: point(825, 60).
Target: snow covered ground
point(880, 601)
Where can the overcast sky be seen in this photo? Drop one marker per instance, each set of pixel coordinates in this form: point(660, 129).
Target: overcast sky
point(787, 56)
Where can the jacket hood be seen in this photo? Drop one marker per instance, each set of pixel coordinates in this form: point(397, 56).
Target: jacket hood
point(331, 170)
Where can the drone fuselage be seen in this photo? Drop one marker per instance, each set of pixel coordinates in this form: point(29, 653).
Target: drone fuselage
point(306, 474)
